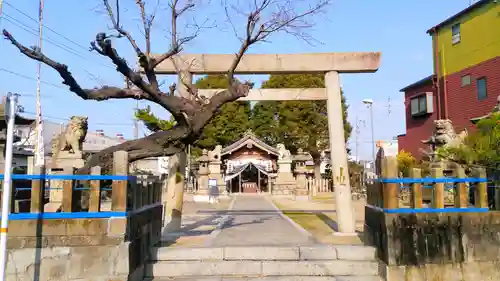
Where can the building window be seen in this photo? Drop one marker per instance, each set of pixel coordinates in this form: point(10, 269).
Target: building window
point(455, 34)
point(466, 80)
point(422, 104)
point(482, 92)
point(419, 105)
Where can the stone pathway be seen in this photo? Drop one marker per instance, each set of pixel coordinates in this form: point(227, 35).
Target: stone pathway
point(199, 221)
point(254, 221)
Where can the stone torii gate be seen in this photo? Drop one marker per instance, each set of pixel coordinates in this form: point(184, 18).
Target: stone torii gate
point(332, 64)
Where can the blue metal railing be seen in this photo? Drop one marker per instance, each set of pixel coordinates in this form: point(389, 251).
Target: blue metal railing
point(405, 183)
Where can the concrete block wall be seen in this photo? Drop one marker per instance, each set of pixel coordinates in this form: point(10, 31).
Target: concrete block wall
point(83, 249)
point(436, 246)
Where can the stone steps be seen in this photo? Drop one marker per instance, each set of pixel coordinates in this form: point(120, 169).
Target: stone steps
point(321, 263)
point(273, 278)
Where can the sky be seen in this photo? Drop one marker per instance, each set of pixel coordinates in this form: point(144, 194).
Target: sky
point(395, 28)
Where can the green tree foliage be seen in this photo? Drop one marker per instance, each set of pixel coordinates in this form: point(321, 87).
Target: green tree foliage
point(227, 126)
point(230, 123)
point(152, 122)
point(297, 124)
point(481, 147)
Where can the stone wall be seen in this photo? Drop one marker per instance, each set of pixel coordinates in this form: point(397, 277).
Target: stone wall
point(436, 246)
point(283, 189)
point(82, 249)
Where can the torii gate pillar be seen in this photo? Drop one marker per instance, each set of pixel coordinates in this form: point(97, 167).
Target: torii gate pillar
point(329, 63)
point(338, 156)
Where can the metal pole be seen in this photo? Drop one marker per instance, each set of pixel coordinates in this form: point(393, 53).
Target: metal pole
point(1, 10)
point(136, 131)
point(11, 107)
point(188, 163)
point(39, 146)
point(357, 143)
point(373, 135)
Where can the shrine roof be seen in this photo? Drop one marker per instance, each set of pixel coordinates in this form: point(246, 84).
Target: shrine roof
point(249, 138)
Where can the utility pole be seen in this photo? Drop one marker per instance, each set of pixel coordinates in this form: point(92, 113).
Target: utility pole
point(136, 122)
point(136, 128)
point(39, 145)
point(357, 143)
point(10, 111)
point(1, 6)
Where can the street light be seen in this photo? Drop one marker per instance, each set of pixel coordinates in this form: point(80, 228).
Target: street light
point(369, 103)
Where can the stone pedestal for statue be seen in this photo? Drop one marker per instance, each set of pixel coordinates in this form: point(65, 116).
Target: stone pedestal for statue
point(284, 184)
point(66, 157)
point(66, 162)
point(202, 194)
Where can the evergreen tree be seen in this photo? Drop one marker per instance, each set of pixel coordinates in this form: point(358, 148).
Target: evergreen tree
point(297, 124)
point(227, 126)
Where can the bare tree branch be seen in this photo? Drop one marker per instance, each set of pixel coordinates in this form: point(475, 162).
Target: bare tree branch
point(117, 27)
point(191, 115)
point(178, 106)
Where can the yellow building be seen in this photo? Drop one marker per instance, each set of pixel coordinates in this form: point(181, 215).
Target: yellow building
point(466, 55)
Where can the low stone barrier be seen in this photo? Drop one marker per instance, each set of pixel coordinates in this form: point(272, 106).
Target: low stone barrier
point(87, 245)
point(435, 242)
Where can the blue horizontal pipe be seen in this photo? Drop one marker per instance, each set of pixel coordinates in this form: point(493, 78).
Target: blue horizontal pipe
point(430, 180)
point(73, 215)
point(430, 210)
point(81, 215)
point(69, 177)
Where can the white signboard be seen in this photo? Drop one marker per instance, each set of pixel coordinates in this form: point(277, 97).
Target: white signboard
point(163, 165)
point(212, 182)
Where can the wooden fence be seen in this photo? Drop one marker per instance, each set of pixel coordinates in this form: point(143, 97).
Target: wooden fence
point(127, 193)
point(319, 185)
point(458, 193)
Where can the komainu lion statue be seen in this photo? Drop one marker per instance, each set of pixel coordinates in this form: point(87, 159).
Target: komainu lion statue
point(444, 134)
point(284, 153)
point(72, 138)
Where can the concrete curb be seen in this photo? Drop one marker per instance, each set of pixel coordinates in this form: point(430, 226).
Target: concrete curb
point(296, 225)
point(221, 224)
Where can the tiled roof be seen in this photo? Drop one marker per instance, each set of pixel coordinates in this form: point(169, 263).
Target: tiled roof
point(249, 138)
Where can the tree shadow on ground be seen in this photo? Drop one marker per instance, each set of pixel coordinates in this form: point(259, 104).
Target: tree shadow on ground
point(171, 238)
point(335, 227)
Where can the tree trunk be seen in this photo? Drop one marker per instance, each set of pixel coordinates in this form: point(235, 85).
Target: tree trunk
point(177, 172)
point(175, 192)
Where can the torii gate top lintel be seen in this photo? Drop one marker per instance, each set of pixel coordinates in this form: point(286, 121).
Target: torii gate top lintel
point(360, 62)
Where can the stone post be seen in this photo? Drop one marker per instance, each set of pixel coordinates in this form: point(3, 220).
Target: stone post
point(215, 170)
point(202, 195)
point(301, 192)
point(338, 155)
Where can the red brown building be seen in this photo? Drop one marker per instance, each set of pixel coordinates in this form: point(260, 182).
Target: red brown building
point(466, 80)
point(420, 116)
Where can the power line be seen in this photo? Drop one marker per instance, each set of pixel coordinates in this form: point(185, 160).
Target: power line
point(48, 28)
point(31, 78)
point(46, 38)
point(50, 40)
point(67, 119)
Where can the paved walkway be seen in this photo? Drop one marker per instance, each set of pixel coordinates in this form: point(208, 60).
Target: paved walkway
point(254, 221)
